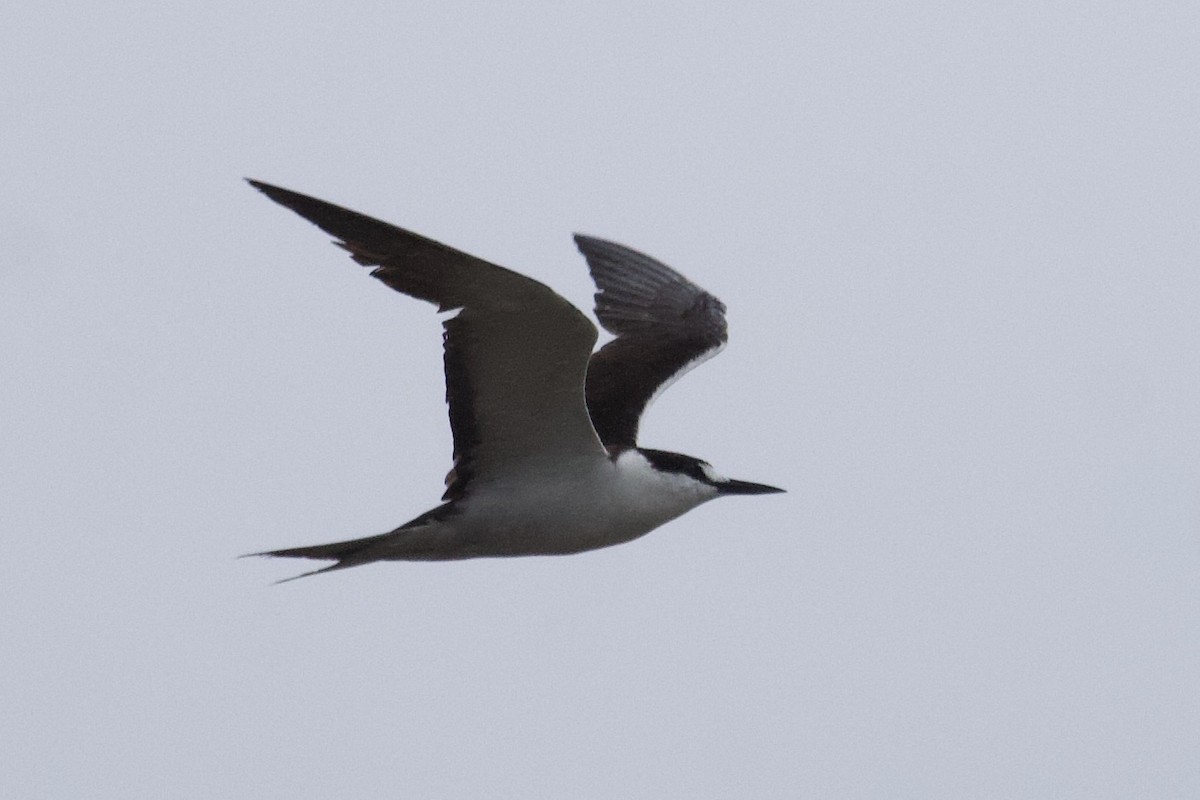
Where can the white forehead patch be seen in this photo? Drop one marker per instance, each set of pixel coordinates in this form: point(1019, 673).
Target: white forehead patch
point(712, 474)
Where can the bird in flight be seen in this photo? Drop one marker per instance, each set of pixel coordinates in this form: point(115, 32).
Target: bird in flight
point(546, 460)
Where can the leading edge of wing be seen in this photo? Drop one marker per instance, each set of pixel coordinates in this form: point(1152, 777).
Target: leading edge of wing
point(408, 262)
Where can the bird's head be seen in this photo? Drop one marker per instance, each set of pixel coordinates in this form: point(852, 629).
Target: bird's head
point(703, 472)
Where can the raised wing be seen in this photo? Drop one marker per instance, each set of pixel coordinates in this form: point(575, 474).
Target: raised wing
point(516, 354)
point(665, 325)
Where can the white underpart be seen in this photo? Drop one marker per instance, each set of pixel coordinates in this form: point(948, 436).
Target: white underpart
point(653, 494)
point(570, 508)
point(679, 373)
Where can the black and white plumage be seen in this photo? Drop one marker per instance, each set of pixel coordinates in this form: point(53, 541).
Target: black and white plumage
point(664, 324)
point(546, 460)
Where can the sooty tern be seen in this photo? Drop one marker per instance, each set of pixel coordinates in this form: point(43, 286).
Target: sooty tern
point(546, 460)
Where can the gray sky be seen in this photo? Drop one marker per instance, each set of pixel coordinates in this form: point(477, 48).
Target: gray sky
point(959, 247)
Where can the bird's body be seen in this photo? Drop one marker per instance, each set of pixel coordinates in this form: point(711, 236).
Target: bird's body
point(545, 453)
point(581, 505)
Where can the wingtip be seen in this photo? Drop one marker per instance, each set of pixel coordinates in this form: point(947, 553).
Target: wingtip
point(584, 239)
point(266, 188)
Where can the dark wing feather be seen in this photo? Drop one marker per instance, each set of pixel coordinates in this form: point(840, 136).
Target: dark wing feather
point(665, 325)
point(515, 355)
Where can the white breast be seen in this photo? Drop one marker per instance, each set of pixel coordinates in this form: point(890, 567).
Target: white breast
point(579, 507)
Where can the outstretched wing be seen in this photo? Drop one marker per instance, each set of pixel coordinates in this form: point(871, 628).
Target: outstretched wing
point(516, 353)
point(665, 325)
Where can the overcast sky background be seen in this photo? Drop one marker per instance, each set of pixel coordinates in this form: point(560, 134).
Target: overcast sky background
point(959, 247)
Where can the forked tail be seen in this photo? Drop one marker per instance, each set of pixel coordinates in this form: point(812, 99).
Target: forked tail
point(349, 553)
point(416, 539)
